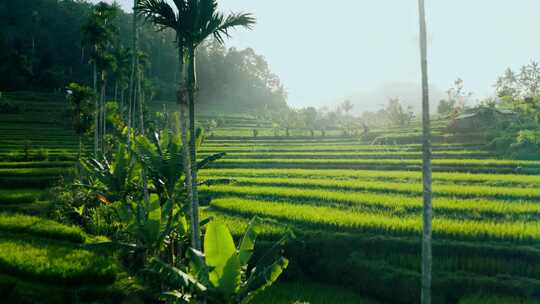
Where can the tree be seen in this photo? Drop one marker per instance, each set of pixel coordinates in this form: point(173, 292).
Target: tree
point(203, 20)
point(193, 21)
point(80, 98)
point(290, 119)
point(457, 99)
point(524, 84)
point(133, 79)
point(426, 163)
point(99, 32)
point(309, 115)
point(121, 74)
point(446, 107)
point(346, 106)
point(396, 115)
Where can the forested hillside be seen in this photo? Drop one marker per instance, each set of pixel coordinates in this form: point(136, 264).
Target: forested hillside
point(42, 48)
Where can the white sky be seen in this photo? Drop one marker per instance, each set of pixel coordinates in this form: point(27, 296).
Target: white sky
point(326, 50)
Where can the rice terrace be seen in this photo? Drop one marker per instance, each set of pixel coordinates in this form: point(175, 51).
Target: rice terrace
point(150, 153)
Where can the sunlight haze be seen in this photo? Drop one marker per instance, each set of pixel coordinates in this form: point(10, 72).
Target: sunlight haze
point(351, 49)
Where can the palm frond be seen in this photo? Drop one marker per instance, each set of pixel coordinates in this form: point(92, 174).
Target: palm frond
point(175, 277)
point(232, 21)
point(158, 12)
point(210, 159)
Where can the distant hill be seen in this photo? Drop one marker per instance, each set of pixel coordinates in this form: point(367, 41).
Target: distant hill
point(409, 93)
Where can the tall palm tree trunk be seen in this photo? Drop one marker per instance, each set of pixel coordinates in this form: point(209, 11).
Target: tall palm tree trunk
point(135, 83)
point(122, 101)
point(134, 66)
point(79, 154)
point(187, 162)
point(96, 110)
point(191, 78)
point(141, 126)
point(426, 164)
point(141, 101)
point(183, 103)
point(102, 112)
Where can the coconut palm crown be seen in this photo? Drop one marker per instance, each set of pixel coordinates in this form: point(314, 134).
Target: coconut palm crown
point(193, 20)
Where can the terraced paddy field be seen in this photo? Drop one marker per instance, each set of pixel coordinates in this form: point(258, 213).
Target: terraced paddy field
point(43, 261)
point(355, 206)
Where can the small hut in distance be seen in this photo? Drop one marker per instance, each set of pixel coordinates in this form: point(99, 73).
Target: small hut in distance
point(481, 118)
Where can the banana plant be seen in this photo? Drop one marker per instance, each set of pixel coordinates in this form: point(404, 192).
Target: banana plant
point(162, 156)
point(112, 181)
point(222, 274)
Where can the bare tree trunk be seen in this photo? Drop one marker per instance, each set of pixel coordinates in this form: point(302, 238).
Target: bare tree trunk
point(122, 101)
point(79, 154)
point(141, 125)
point(82, 54)
point(134, 67)
point(192, 82)
point(182, 99)
point(96, 112)
point(102, 111)
point(426, 167)
point(141, 101)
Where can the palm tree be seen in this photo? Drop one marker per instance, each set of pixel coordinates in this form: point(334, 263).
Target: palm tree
point(426, 167)
point(80, 98)
point(193, 21)
point(93, 35)
point(133, 93)
point(99, 32)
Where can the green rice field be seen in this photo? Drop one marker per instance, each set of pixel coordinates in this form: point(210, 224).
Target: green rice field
point(354, 206)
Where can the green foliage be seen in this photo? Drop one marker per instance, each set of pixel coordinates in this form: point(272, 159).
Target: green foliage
point(112, 181)
point(396, 115)
point(221, 274)
point(446, 107)
point(81, 99)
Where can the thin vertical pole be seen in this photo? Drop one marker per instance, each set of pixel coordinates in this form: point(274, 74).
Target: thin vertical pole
point(426, 164)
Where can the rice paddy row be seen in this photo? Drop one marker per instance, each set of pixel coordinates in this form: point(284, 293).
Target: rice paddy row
point(42, 260)
point(361, 204)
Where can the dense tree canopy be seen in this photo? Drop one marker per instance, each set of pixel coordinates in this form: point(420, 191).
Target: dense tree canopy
point(42, 48)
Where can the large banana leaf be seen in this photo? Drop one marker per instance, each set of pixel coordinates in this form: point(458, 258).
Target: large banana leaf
point(222, 259)
point(210, 159)
point(175, 277)
point(247, 245)
point(114, 181)
point(262, 278)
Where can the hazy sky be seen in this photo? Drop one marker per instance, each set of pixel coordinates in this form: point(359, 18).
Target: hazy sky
point(327, 50)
